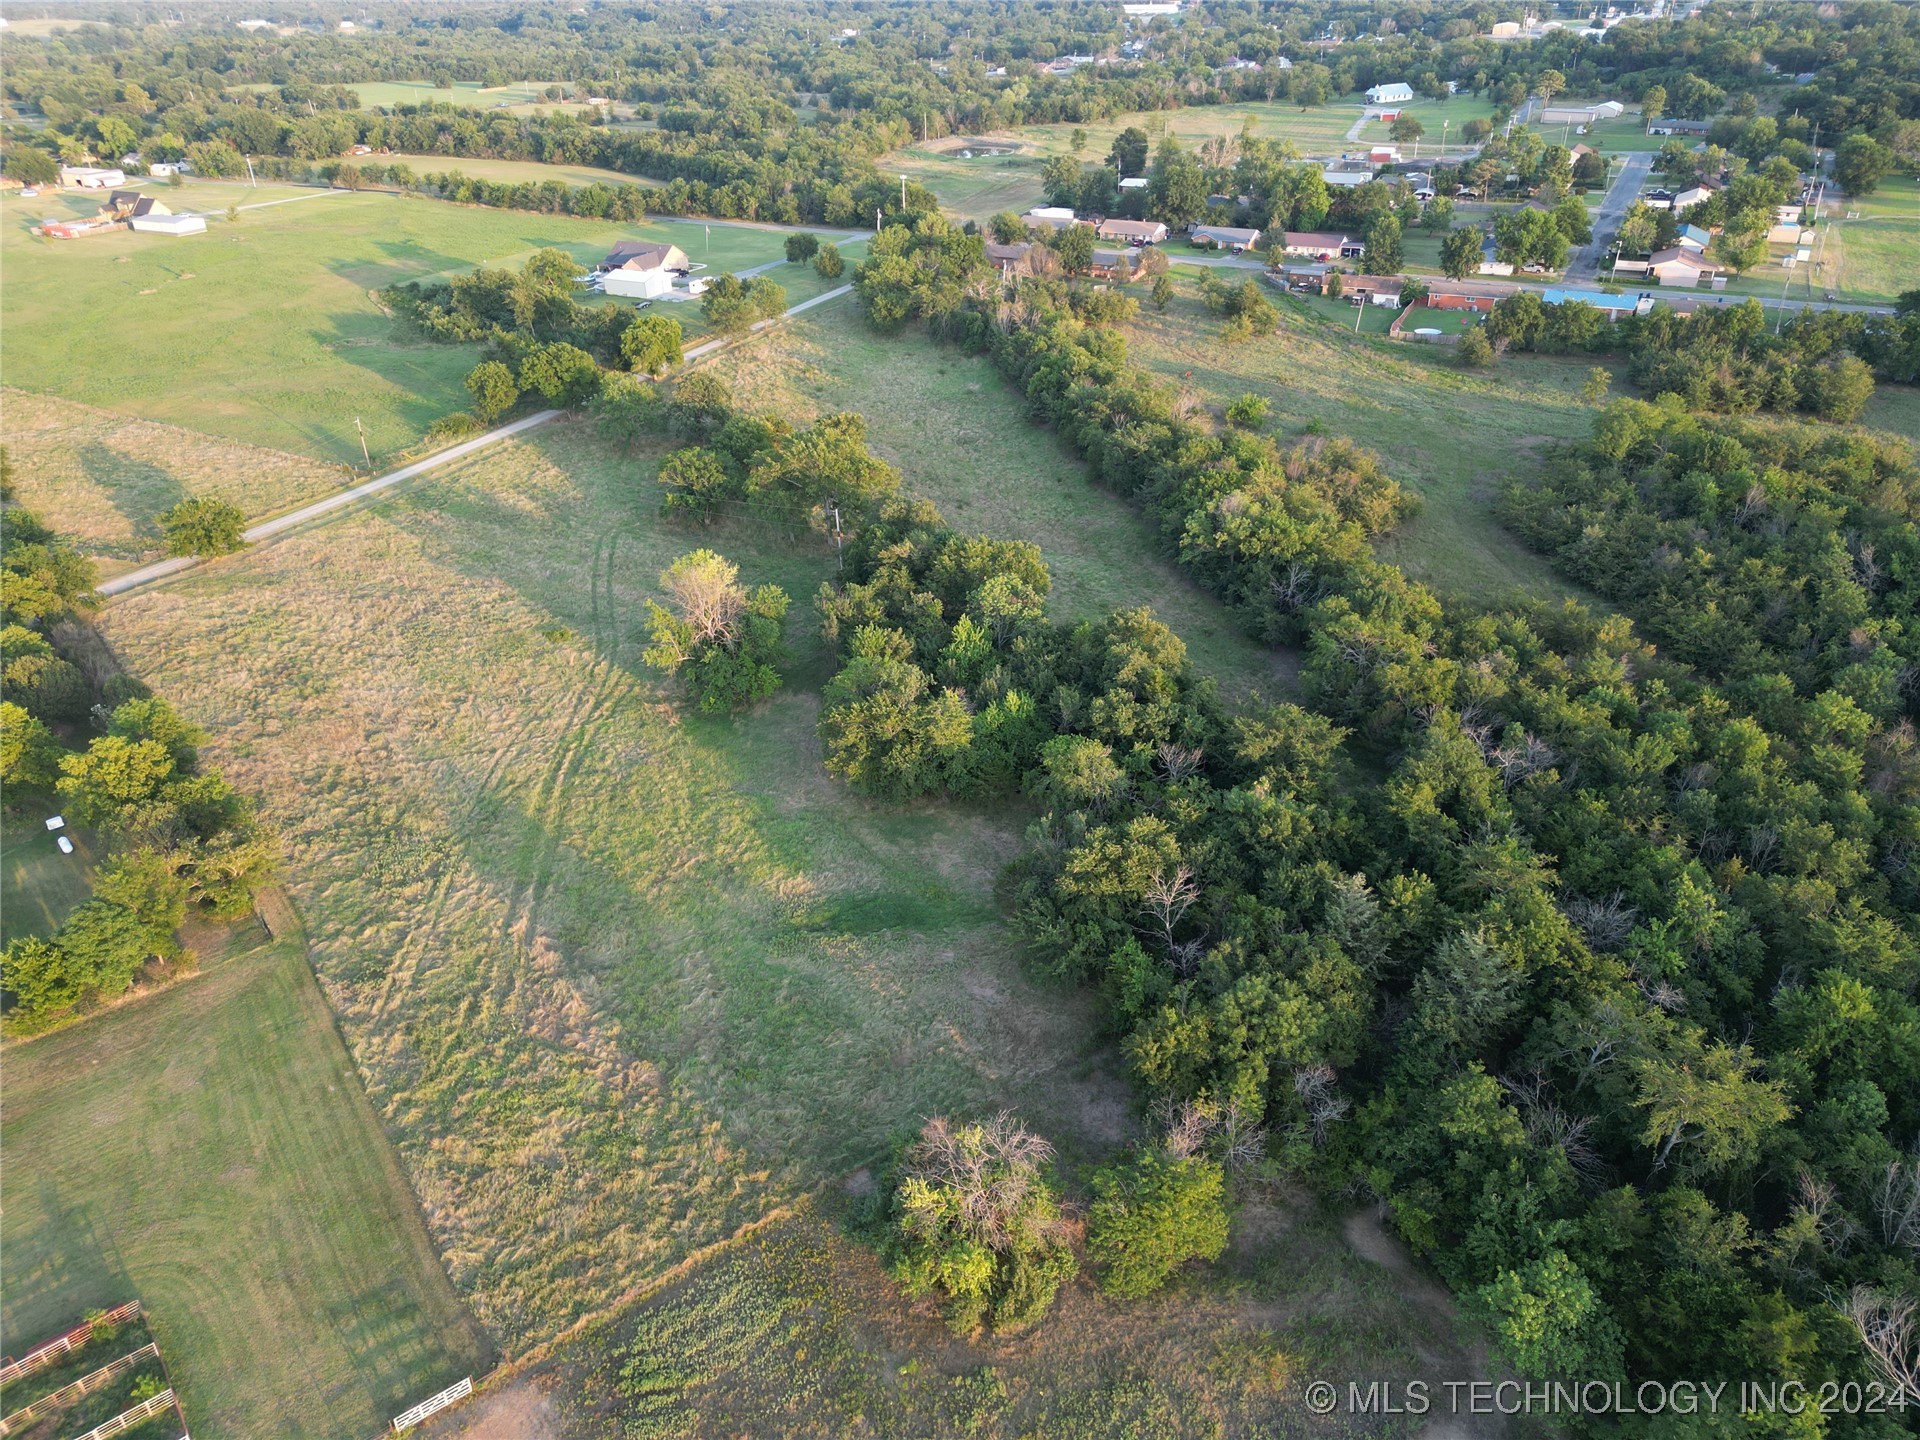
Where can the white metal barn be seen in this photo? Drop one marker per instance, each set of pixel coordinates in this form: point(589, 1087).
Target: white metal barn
point(1392, 94)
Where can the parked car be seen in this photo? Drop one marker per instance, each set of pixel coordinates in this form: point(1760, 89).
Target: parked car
point(1534, 267)
point(29, 192)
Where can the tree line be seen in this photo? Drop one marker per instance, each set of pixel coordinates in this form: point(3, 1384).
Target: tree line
point(79, 735)
point(1615, 963)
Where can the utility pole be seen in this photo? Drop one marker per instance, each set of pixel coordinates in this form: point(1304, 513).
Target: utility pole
point(361, 430)
point(833, 509)
point(876, 219)
point(903, 195)
point(250, 180)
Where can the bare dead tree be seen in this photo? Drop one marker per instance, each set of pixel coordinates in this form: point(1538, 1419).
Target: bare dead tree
point(992, 1166)
point(1187, 1125)
point(1167, 900)
point(1896, 1204)
point(1889, 1326)
point(1596, 1043)
point(1177, 762)
point(1605, 923)
point(1316, 1087)
point(1230, 1132)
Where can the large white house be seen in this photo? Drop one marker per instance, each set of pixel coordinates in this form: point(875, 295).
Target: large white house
point(1393, 94)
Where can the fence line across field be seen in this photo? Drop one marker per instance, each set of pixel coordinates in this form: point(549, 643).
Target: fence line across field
point(127, 1419)
point(84, 1385)
point(44, 1355)
point(433, 1404)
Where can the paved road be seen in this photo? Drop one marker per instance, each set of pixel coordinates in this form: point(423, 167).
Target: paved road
point(708, 347)
point(1585, 264)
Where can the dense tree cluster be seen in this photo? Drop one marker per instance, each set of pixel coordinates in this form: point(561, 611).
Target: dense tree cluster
point(1755, 553)
point(179, 839)
point(724, 637)
point(1615, 966)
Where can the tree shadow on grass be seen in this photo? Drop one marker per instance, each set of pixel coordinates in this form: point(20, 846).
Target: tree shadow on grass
point(140, 490)
point(62, 1251)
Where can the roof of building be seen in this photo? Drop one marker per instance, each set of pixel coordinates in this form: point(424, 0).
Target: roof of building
point(644, 255)
point(1143, 228)
point(1373, 282)
point(1676, 255)
point(1014, 254)
point(1315, 239)
point(1694, 232)
point(1226, 234)
point(1591, 297)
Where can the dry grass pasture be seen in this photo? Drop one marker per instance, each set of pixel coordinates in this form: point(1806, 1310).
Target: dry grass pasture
point(108, 477)
point(1451, 435)
point(950, 423)
point(620, 979)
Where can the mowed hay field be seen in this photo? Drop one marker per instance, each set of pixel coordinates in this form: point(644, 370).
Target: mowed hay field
point(1450, 435)
point(1875, 258)
point(105, 478)
point(621, 980)
point(266, 330)
point(209, 1151)
point(515, 171)
point(957, 431)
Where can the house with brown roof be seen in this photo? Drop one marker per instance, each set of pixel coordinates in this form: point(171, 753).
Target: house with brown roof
point(645, 255)
point(1115, 264)
point(1227, 237)
point(1131, 232)
point(1322, 244)
point(1010, 260)
point(1677, 265)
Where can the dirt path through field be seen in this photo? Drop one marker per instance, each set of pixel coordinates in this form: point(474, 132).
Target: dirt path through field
point(1371, 1241)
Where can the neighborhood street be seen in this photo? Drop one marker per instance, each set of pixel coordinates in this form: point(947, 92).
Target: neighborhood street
point(1585, 264)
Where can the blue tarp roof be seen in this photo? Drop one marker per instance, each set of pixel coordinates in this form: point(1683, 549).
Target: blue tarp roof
point(1592, 297)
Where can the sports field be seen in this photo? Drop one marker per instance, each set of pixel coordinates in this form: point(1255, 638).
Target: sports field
point(948, 421)
point(266, 330)
point(209, 1151)
point(1451, 435)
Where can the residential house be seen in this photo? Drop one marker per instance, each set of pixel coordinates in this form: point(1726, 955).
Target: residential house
point(1421, 183)
point(1693, 238)
point(1227, 237)
point(1372, 289)
point(1613, 306)
point(1131, 232)
point(1465, 295)
point(1134, 182)
point(1667, 125)
point(128, 204)
point(1392, 94)
point(1011, 260)
point(1061, 213)
point(1690, 195)
point(1307, 277)
point(1344, 177)
point(1115, 264)
point(1322, 244)
point(1678, 266)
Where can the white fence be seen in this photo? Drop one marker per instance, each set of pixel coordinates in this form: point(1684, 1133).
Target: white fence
point(407, 1419)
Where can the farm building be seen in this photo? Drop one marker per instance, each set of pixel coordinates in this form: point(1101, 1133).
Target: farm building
point(642, 269)
point(1134, 182)
point(1667, 125)
point(1227, 237)
point(1391, 94)
point(1132, 232)
point(131, 205)
point(91, 177)
point(1322, 244)
point(1061, 213)
point(1613, 306)
point(1384, 155)
point(165, 224)
point(1581, 114)
point(1341, 177)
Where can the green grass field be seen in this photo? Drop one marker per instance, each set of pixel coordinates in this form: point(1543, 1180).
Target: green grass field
point(1450, 435)
point(209, 1151)
point(518, 97)
point(502, 170)
point(972, 189)
point(1873, 259)
point(266, 330)
point(949, 422)
point(621, 979)
point(41, 885)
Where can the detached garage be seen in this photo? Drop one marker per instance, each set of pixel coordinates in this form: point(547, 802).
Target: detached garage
point(169, 224)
